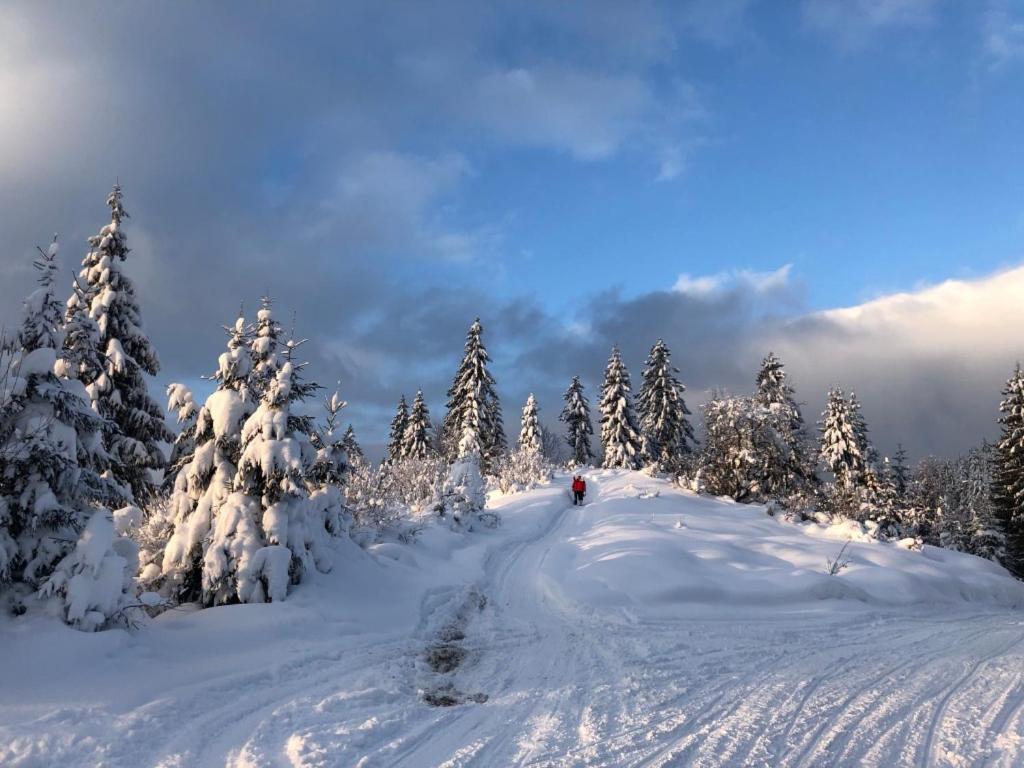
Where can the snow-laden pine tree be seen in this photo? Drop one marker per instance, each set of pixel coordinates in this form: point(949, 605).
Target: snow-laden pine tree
point(986, 535)
point(868, 477)
point(473, 405)
point(206, 481)
point(416, 443)
point(578, 429)
point(135, 425)
point(530, 434)
point(267, 534)
point(329, 473)
point(49, 496)
point(265, 349)
point(526, 466)
point(396, 436)
point(620, 435)
point(463, 494)
point(352, 448)
point(180, 401)
point(900, 471)
point(331, 464)
point(665, 431)
point(794, 469)
point(1008, 483)
point(840, 443)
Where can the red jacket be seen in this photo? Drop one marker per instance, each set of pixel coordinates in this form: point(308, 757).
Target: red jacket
point(579, 485)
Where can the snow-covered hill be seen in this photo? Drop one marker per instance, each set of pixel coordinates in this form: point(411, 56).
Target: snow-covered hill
point(650, 627)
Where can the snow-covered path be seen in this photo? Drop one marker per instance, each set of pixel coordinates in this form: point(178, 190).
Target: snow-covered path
point(649, 627)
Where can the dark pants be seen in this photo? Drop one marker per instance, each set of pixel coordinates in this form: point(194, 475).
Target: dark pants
point(577, 497)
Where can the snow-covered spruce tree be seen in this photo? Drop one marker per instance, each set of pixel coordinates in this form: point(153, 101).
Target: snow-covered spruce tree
point(49, 513)
point(205, 481)
point(620, 436)
point(900, 471)
point(331, 464)
point(1008, 481)
point(987, 537)
point(352, 448)
point(928, 502)
point(666, 432)
point(416, 444)
point(396, 437)
point(134, 421)
point(530, 438)
point(868, 477)
point(463, 494)
point(774, 392)
point(526, 466)
point(181, 402)
point(266, 534)
point(473, 405)
point(576, 417)
point(264, 350)
point(329, 473)
point(840, 442)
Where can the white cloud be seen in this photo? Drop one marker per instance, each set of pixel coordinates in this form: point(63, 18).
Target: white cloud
point(1003, 34)
point(588, 114)
point(928, 364)
point(707, 286)
point(851, 23)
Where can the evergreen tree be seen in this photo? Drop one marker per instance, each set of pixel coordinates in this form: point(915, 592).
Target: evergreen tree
point(987, 537)
point(181, 402)
point(620, 436)
point(1008, 481)
point(840, 442)
point(204, 483)
point(396, 437)
point(474, 412)
point(900, 471)
point(331, 464)
point(266, 534)
point(666, 433)
point(576, 417)
point(773, 386)
point(49, 436)
point(774, 392)
point(416, 444)
point(135, 423)
point(530, 436)
point(745, 454)
point(867, 449)
point(352, 448)
point(265, 349)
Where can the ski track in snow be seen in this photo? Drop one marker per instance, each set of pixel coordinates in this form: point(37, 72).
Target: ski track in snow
point(577, 684)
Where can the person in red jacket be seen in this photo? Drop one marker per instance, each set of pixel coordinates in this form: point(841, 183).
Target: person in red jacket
point(579, 490)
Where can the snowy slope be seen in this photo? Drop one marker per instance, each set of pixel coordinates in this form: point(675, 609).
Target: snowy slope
point(650, 627)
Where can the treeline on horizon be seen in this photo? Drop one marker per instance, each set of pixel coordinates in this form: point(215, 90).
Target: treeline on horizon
point(100, 523)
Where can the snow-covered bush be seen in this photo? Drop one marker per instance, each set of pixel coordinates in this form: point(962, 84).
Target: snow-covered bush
point(95, 582)
point(463, 496)
point(521, 470)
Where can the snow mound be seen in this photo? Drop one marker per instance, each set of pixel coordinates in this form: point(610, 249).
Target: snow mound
point(644, 545)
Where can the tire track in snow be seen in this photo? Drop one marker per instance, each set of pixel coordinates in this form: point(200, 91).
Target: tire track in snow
point(928, 755)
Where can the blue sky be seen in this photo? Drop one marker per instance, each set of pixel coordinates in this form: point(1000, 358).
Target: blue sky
point(722, 173)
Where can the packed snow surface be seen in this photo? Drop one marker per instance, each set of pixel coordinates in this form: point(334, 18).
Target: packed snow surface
point(650, 627)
